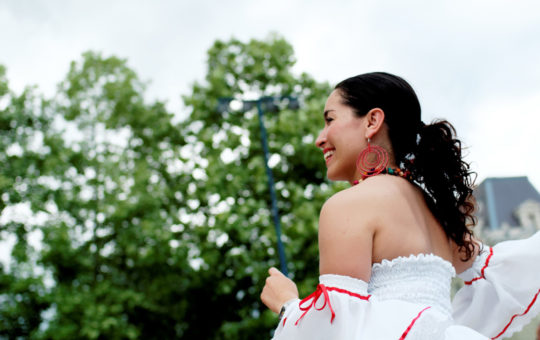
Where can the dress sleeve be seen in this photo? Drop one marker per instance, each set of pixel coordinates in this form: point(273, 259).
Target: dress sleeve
point(327, 312)
point(341, 308)
point(501, 289)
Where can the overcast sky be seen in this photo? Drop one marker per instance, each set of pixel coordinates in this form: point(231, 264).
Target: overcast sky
point(476, 63)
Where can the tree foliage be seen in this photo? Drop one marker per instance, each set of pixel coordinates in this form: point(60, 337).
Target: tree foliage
point(237, 240)
point(147, 228)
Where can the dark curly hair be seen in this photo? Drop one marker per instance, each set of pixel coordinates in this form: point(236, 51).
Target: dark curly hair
point(432, 153)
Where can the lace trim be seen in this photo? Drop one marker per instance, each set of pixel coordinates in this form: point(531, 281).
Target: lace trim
point(477, 266)
point(526, 318)
point(482, 274)
point(424, 258)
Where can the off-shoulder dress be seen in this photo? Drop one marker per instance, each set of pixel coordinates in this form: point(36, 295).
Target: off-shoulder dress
point(409, 298)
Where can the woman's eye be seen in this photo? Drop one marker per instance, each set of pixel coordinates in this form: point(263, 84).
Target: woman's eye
point(328, 120)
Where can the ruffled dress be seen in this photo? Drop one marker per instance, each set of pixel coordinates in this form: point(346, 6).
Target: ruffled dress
point(409, 298)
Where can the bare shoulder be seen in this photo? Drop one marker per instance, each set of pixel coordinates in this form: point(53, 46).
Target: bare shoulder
point(346, 227)
point(368, 200)
point(345, 206)
point(374, 189)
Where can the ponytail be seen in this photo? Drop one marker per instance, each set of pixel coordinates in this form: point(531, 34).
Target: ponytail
point(432, 153)
point(439, 168)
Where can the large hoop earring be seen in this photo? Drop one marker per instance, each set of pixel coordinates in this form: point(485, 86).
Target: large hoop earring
point(372, 160)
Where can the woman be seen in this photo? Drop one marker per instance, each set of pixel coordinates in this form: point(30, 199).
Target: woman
point(390, 245)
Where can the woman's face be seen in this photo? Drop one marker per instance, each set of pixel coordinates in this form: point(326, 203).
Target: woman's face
point(342, 139)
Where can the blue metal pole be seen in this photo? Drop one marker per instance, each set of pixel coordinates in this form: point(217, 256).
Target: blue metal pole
point(275, 213)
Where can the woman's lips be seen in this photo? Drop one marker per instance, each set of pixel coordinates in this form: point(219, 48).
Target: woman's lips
point(327, 160)
point(328, 153)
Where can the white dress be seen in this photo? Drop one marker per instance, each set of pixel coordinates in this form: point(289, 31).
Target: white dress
point(409, 298)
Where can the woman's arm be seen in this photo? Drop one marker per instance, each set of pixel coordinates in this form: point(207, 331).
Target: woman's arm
point(345, 244)
point(346, 235)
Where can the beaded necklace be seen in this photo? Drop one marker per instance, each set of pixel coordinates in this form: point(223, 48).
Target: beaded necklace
point(391, 171)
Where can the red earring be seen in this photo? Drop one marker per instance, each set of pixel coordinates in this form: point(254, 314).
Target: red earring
point(372, 160)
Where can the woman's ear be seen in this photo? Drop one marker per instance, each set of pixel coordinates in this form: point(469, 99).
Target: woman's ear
point(374, 121)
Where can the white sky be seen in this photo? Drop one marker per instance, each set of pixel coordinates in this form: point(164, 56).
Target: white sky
point(476, 63)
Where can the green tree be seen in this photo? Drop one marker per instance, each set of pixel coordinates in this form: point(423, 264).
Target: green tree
point(149, 228)
point(22, 120)
point(236, 240)
point(107, 177)
point(117, 269)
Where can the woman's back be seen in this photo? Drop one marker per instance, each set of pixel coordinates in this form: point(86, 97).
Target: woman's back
point(407, 225)
point(382, 218)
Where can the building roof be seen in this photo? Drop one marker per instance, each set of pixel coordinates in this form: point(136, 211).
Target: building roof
point(498, 198)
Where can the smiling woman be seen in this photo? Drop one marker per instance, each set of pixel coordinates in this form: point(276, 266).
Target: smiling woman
point(342, 138)
point(390, 245)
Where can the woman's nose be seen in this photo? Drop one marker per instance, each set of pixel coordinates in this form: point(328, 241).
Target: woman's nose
point(321, 139)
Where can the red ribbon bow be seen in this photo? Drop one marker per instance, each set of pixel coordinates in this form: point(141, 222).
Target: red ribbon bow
point(314, 297)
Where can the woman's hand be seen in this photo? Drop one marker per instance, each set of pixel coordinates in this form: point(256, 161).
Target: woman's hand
point(278, 290)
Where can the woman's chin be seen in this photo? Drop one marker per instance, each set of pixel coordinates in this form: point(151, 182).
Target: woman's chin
point(330, 176)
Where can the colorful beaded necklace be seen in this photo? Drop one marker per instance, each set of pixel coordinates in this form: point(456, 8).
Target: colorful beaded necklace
point(391, 171)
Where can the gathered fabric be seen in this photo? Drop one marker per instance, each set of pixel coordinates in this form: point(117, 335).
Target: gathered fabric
point(500, 295)
point(409, 298)
point(323, 290)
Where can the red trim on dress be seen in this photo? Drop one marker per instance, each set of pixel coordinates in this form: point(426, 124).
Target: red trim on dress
point(516, 315)
point(344, 291)
point(482, 276)
point(404, 335)
point(323, 290)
